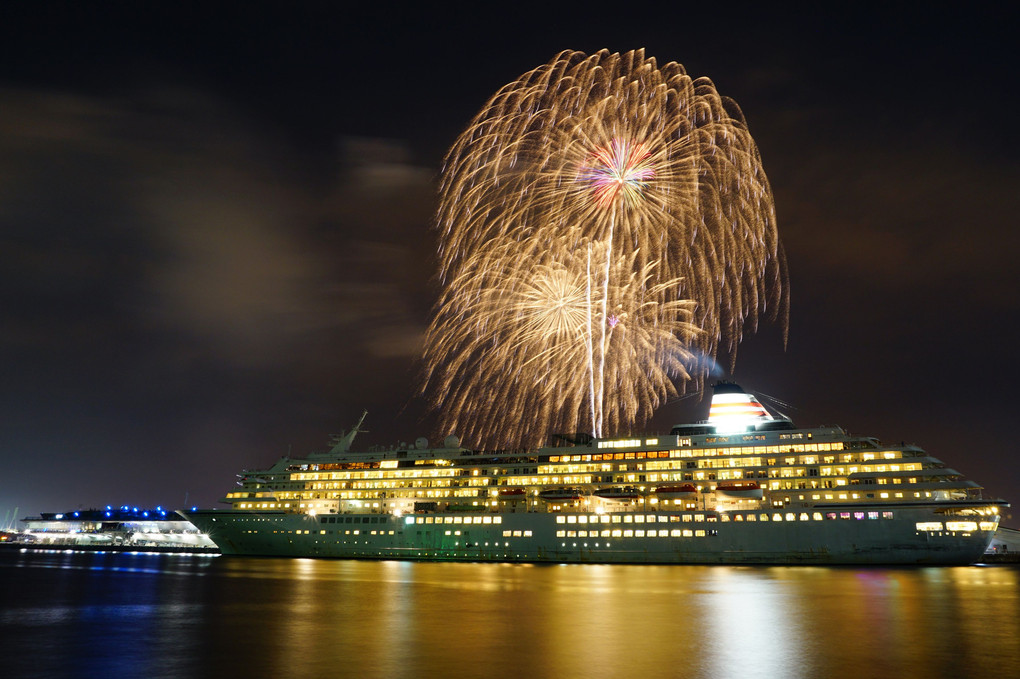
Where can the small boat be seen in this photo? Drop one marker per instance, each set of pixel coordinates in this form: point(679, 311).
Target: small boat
point(618, 494)
point(749, 490)
point(678, 492)
point(561, 494)
point(511, 492)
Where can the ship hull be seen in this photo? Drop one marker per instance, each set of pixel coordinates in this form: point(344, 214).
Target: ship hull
point(822, 536)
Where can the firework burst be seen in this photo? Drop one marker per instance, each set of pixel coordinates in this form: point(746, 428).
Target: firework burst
point(605, 228)
point(619, 172)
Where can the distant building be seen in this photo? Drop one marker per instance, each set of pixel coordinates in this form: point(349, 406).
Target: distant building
point(1005, 541)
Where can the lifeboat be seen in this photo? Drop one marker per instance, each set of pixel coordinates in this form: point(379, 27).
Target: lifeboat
point(561, 494)
point(617, 494)
point(748, 490)
point(512, 493)
point(680, 492)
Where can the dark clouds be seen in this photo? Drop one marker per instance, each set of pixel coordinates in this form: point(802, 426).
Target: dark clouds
point(215, 243)
point(172, 213)
point(170, 271)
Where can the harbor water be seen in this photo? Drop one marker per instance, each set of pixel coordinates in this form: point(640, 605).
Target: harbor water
point(174, 615)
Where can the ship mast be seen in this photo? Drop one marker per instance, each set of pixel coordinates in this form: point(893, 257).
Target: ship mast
point(342, 443)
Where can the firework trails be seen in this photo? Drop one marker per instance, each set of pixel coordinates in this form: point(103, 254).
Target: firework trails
point(605, 228)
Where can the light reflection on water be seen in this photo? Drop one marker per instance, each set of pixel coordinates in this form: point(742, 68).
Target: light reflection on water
point(179, 616)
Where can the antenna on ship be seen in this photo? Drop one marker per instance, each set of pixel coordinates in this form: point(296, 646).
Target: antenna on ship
point(342, 443)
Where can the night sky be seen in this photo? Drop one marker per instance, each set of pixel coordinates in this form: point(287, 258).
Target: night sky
point(216, 242)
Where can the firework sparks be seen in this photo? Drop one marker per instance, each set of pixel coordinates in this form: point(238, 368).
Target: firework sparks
point(605, 227)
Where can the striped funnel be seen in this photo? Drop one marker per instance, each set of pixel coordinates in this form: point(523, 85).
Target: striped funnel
point(733, 409)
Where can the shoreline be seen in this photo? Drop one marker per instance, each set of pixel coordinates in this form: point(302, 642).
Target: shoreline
point(161, 549)
point(987, 559)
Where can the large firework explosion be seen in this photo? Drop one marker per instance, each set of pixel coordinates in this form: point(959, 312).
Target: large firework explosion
point(605, 227)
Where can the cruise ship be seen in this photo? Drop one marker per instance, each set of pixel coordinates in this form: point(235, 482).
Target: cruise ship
point(743, 487)
point(121, 528)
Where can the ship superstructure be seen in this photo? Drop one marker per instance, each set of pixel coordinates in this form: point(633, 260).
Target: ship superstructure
point(743, 487)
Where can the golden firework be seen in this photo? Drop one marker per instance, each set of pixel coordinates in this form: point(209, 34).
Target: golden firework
point(605, 224)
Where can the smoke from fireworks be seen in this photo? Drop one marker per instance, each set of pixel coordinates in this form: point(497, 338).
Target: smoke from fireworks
point(605, 226)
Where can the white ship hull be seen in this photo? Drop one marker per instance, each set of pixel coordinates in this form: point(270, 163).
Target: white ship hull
point(678, 537)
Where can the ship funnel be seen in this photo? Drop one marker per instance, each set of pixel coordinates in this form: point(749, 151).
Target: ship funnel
point(734, 410)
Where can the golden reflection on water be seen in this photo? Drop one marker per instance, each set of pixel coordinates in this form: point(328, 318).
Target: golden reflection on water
point(157, 616)
point(397, 619)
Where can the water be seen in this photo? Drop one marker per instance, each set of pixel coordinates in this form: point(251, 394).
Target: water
point(125, 615)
